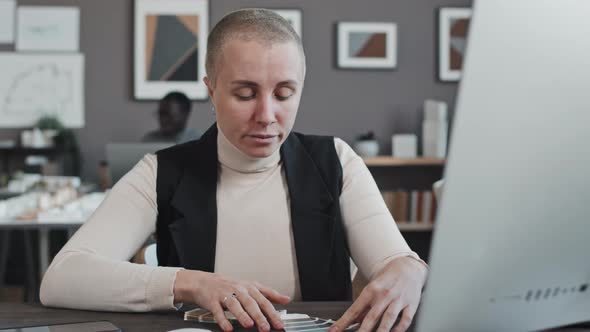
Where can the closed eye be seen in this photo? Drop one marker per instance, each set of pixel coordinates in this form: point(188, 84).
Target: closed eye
point(283, 93)
point(245, 93)
point(250, 97)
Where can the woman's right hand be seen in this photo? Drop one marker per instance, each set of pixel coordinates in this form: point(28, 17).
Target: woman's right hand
point(250, 302)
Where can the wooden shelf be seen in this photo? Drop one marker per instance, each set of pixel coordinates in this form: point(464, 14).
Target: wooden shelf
point(391, 161)
point(7, 154)
point(415, 227)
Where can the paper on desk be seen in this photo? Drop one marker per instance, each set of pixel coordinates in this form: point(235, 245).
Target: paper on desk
point(293, 322)
point(76, 212)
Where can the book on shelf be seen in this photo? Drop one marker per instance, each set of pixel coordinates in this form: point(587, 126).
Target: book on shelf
point(400, 201)
point(411, 207)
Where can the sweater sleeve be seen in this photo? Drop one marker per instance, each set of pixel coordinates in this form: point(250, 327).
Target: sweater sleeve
point(373, 236)
point(92, 271)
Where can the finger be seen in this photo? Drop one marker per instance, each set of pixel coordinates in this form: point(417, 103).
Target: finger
point(373, 316)
point(389, 317)
point(406, 319)
point(235, 307)
point(362, 315)
point(268, 309)
point(220, 318)
point(350, 316)
point(253, 310)
point(273, 295)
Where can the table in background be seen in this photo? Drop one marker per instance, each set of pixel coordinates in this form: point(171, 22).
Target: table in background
point(43, 229)
point(20, 315)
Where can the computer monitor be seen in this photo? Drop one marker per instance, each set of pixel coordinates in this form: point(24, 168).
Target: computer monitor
point(511, 245)
point(123, 156)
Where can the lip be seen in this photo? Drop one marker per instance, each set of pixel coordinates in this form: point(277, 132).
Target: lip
point(262, 138)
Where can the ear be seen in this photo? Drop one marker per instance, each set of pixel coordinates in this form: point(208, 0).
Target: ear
point(209, 85)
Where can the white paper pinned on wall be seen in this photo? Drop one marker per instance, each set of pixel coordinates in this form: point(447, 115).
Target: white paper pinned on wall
point(34, 85)
point(48, 28)
point(7, 8)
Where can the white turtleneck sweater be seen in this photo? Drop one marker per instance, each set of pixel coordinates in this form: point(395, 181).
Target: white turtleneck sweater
point(254, 235)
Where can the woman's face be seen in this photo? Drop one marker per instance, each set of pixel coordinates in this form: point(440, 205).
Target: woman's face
point(256, 94)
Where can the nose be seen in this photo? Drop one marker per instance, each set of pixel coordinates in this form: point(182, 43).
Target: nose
point(265, 111)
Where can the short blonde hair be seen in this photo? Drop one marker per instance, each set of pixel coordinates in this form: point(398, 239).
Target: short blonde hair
point(261, 25)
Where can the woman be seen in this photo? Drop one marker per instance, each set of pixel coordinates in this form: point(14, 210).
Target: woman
point(250, 200)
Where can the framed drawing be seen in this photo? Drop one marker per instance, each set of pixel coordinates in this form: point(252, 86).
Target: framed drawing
point(33, 85)
point(7, 19)
point(367, 45)
point(169, 48)
point(48, 28)
point(453, 26)
point(294, 16)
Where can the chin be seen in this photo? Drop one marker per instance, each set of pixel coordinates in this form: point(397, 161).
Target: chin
point(261, 152)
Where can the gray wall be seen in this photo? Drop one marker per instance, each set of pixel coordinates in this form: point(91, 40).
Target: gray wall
point(335, 102)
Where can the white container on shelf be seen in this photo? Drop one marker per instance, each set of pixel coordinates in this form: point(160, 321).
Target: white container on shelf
point(434, 139)
point(404, 145)
point(434, 129)
point(435, 111)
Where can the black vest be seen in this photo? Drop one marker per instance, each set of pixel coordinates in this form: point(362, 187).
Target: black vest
point(186, 228)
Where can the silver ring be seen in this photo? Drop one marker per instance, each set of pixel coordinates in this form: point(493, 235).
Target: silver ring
point(233, 295)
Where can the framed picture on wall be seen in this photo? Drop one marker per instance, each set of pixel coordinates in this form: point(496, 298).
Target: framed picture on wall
point(453, 26)
point(48, 28)
point(367, 45)
point(294, 16)
point(170, 43)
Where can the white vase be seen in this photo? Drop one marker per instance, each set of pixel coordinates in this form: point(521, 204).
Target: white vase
point(366, 148)
point(49, 135)
point(38, 139)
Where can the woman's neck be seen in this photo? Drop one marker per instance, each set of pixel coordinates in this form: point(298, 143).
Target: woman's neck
point(230, 156)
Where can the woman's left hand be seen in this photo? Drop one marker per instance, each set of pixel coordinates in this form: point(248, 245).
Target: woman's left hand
point(394, 292)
